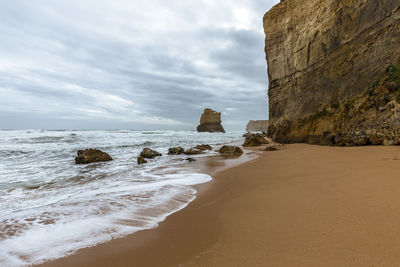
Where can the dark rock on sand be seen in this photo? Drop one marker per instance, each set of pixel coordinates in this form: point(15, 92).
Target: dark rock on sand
point(231, 150)
point(193, 151)
point(91, 155)
point(252, 140)
point(270, 148)
point(175, 150)
point(141, 160)
point(190, 159)
point(149, 153)
point(203, 147)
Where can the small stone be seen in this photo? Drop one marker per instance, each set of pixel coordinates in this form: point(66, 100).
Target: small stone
point(91, 155)
point(141, 160)
point(175, 150)
point(193, 151)
point(231, 150)
point(270, 148)
point(149, 153)
point(190, 159)
point(203, 147)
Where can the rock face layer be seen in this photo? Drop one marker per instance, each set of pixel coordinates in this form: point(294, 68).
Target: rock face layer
point(257, 126)
point(210, 121)
point(325, 60)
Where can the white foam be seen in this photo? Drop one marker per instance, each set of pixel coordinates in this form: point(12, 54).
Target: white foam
point(81, 228)
point(50, 207)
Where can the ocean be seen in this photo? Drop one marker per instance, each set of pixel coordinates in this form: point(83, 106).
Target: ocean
point(50, 207)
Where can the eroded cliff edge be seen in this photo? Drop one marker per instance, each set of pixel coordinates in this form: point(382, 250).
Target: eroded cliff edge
point(333, 69)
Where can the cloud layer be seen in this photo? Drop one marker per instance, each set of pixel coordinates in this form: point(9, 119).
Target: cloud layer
point(154, 64)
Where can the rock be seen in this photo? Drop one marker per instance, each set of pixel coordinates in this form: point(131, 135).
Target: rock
point(270, 148)
point(252, 140)
point(91, 155)
point(193, 151)
point(190, 159)
point(332, 71)
point(175, 150)
point(141, 160)
point(203, 147)
point(257, 126)
point(149, 154)
point(231, 150)
point(210, 121)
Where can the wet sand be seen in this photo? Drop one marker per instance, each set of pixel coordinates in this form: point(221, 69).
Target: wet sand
point(301, 206)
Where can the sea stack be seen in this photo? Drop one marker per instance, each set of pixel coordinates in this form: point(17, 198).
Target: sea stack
point(210, 121)
point(257, 126)
point(334, 71)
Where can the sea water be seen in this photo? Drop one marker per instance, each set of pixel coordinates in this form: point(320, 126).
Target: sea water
point(50, 207)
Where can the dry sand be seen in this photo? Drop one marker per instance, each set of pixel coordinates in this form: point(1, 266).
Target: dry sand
point(301, 206)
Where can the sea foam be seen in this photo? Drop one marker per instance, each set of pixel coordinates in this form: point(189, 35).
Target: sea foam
point(50, 207)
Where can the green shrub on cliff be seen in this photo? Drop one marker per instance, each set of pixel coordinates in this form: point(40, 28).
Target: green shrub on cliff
point(373, 86)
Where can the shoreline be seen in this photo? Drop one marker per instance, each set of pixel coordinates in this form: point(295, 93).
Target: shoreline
point(209, 164)
point(302, 205)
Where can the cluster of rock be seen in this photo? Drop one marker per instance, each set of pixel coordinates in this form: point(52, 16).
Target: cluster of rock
point(210, 121)
point(258, 139)
point(326, 69)
point(257, 126)
point(251, 140)
point(190, 151)
point(147, 153)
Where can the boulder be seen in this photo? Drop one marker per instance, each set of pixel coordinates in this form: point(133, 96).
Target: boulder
point(149, 153)
point(210, 121)
point(141, 160)
point(231, 150)
point(252, 140)
point(91, 155)
point(193, 151)
point(175, 150)
point(203, 147)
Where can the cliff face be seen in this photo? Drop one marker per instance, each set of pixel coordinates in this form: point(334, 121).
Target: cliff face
point(257, 126)
point(210, 121)
point(328, 68)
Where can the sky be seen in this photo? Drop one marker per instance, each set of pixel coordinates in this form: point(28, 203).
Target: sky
point(131, 64)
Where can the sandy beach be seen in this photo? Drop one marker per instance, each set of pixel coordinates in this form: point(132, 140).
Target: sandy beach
point(303, 205)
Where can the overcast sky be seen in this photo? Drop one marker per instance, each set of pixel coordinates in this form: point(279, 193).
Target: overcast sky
point(131, 64)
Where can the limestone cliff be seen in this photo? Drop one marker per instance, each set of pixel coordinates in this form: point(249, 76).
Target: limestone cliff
point(210, 121)
point(257, 126)
point(332, 68)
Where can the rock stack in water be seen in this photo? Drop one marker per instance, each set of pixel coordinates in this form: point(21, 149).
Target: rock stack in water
point(210, 121)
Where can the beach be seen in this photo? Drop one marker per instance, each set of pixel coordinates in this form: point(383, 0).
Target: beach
point(302, 205)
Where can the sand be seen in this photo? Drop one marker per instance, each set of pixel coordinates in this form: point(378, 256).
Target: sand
point(301, 206)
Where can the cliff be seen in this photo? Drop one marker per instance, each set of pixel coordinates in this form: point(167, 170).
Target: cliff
point(210, 121)
point(257, 126)
point(333, 71)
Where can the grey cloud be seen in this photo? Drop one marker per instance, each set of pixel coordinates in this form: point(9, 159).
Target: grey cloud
point(162, 66)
